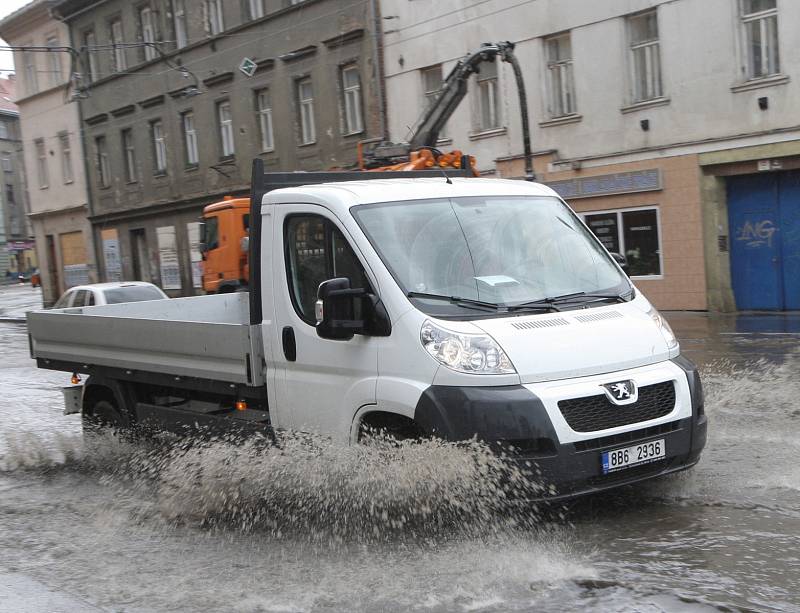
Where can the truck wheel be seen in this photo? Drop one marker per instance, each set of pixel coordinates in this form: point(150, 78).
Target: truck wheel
point(102, 414)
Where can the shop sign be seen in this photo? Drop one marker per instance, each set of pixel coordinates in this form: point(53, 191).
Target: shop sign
point(606, 185)
point(20, 245)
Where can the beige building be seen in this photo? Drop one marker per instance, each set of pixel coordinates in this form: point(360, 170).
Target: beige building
point(671, 126)
point(53, 150)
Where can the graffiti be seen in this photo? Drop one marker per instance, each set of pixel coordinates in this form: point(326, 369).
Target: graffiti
point(756, 234)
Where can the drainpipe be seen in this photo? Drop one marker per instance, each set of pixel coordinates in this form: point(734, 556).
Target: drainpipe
point(377, 51)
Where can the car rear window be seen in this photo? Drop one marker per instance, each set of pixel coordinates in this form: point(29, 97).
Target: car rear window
point(136, 293)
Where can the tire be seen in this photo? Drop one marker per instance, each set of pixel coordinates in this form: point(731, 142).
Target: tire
point(101, 415)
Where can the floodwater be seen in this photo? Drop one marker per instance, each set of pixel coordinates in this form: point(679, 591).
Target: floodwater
point(190, 526)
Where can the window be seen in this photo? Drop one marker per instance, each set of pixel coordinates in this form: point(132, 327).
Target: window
point(3, 129)
point(31, 80)
point(55, 61)
point(226, 128)
point(634, 233)
point(7, 165)
point(351, 91)
point(147, 26)
point(317, 251)
point(179, 14)
point(120, 61)
point(159, 148)
point(645, 56)
point(130, 155)
point(41, 163)
point(488, 108)
point(305, 97)
point(255, 9)
point(10, 196)
point(213, 9)
point(431, 88)
point(189, 139)
point(103, 170)
point(760, 23)
point(264, 113)
point(90, 42)
point(560, 84)
point(66, 158)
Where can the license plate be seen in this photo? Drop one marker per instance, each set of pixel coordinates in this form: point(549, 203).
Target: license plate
point(617, 459)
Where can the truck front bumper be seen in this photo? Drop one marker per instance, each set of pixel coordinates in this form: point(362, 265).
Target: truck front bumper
point(567, 463)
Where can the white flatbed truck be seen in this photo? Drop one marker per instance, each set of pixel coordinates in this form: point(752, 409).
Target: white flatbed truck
point(426, 305)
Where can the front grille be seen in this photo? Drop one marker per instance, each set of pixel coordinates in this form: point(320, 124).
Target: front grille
point(593, 413)
point(604, 442)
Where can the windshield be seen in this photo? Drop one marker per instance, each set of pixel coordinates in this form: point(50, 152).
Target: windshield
point(503, 250)
point(135, 293)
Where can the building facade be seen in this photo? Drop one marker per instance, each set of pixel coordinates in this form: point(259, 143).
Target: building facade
point(670, 126)
point(17, 253)
point(178, 96)
point(53, 151)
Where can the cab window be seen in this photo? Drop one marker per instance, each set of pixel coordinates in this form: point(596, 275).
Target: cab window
point(316, 251)
point(211, 232)
point(63, 302)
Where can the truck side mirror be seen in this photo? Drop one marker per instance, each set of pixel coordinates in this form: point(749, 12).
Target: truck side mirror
point(622, 261)
point(342, 312)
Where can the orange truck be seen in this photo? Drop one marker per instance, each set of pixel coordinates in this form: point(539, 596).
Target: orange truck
point(226, 226)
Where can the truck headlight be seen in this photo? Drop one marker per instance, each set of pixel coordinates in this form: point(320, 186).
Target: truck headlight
point(475, 354)
point(663, 326)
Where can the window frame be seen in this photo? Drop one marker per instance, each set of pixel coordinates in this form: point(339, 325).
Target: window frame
point(159, 143)
point(31, 73)
point(215, 22)
point(190, 150)
point(101, 159)
point(129, 155)
point(42, 172)
point(255, 9)
point(651, 50)
point(760, 17)
point(227, 138)
point(557, 107)
point(90, 40)
point(147, 27)
point(307, 128)
point(118, 55)
point(621, 232)
point(6, 162)
point(329, 225)
point(264, 119)
point(56, 70)
point(351, 96)
point(493, 83)
point(179, 23)
point(67, 170)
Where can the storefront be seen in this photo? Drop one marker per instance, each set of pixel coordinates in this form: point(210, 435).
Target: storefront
point(647, 210)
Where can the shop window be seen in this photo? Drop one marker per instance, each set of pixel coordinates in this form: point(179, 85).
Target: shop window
point(634, 233)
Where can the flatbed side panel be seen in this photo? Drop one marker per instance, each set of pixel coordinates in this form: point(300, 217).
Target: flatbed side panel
point(194, 349)
point(218, 308)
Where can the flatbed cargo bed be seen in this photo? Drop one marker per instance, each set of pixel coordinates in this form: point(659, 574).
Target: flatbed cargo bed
point(204, 337)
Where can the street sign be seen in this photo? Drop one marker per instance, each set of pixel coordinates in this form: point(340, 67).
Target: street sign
point(248, 67)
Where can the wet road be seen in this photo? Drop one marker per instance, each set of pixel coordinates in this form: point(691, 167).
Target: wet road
point(146, 527)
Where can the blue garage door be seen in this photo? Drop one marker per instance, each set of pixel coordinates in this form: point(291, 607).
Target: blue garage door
point(764, 216)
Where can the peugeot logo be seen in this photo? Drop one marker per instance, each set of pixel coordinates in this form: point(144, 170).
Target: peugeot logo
point(621, 392)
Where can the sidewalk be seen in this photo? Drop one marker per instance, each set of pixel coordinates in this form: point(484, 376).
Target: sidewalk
point(17, 299)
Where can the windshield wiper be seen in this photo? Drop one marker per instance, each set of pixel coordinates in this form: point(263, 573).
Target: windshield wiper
point(465, 302)
point(554, 300)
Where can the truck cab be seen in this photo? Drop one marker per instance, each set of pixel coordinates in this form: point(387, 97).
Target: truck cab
point(224, 245)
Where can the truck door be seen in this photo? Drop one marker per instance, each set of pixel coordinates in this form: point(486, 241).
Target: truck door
point(320, 384)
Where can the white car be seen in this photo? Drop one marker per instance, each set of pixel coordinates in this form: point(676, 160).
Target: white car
point(109, 293)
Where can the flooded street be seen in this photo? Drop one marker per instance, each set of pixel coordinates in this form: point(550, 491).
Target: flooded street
point(158, 527)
